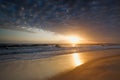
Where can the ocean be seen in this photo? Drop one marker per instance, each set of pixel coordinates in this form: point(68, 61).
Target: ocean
point(37, 51)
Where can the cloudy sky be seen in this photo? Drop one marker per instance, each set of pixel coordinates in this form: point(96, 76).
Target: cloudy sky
point(52, 20)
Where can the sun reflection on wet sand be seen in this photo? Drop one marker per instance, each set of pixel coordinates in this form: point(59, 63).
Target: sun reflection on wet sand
point(76, 59)
point(44, 68)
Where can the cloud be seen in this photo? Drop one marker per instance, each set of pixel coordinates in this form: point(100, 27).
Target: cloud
point(96, 20)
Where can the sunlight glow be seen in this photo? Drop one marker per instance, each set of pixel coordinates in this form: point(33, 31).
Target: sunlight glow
point(74, 39)
point(77, 59)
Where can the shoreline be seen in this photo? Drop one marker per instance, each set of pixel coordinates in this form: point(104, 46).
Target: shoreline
point(35, 56)
point(43, 69)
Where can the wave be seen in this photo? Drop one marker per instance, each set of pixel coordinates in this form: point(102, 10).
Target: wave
point(43, 51)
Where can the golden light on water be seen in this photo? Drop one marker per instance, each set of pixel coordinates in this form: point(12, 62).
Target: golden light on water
point(77, 60)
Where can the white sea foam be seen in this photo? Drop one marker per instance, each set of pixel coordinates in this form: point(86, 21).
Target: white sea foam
point(35, 52)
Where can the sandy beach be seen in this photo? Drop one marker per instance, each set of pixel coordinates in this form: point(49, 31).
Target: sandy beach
point(107, 68)
point(93, 65)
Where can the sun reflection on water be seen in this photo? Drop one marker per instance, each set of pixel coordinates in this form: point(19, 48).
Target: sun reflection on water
point(77, 60)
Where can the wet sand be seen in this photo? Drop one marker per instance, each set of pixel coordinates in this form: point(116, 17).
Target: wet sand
point(102, 69)
point(93, 65)
point(107, 68)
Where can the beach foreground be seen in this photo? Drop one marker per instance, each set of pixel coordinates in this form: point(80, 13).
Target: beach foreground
point(102, 69)
point(92, 65)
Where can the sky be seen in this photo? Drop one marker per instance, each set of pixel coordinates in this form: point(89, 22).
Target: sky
point(53, 20)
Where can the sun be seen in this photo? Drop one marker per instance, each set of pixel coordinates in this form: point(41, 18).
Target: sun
point(74, 39)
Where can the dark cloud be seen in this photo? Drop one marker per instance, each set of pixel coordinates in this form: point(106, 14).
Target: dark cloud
point(96, 19)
